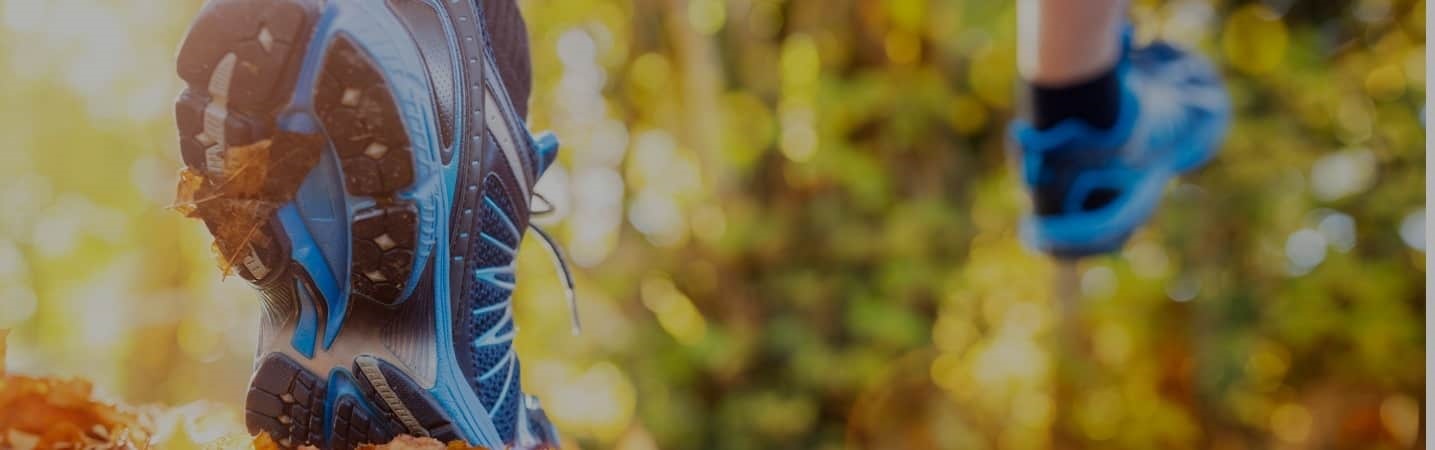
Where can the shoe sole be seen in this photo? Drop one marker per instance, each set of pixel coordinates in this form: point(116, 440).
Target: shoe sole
point(241, 61)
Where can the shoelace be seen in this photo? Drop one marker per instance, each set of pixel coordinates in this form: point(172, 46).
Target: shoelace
point(560, 264)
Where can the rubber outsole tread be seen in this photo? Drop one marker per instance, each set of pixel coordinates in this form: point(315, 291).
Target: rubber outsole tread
point(362, 120)
point(383, 250)
point(237, 61)
point(421, 411)
point(353, 427)
point(286, 401)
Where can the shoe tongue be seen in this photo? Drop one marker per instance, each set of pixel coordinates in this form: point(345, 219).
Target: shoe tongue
point(508, 36)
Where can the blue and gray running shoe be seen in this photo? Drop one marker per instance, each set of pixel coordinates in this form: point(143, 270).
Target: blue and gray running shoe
point(1091, 188)
point(365, 166)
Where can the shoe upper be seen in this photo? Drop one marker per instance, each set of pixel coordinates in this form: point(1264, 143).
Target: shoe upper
point(1091, 187)
point(494, 162)
point(491, 214)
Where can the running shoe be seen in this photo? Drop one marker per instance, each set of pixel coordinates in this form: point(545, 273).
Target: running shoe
point(1091, 187)
point(365, 166)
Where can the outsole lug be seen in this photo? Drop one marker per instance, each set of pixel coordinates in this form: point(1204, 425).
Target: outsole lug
point(234, 27)
point(383, 257)
point(286, 401)
point(362, 120)
point(354, 427)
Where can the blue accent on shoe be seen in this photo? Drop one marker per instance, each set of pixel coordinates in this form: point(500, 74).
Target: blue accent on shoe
point(325, 232)
point(1092, 187)
point(491, 339)
point(342, 385)
point(546, 145)
point(305, 251)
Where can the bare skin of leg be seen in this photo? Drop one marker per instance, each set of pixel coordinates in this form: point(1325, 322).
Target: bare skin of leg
point(1063, 42)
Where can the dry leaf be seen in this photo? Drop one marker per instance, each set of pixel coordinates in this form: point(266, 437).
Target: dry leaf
point(264, 442)
point(237, 202)
point(245, 170)
point(405, 442)
point(408, 443)
point(45, 413)
point(187, 194)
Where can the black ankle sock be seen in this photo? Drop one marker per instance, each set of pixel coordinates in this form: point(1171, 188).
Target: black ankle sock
point(509, 36)
point(1095, 101)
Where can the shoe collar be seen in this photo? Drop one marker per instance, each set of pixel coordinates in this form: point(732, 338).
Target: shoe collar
point(1073, 134)
point(1076, 133)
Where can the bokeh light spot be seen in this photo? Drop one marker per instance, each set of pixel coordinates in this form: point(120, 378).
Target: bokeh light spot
point(1291, 422)
point(1412, 229)
point(1342, 174)
point(1305, 249)
point(1401, 416)
point(1255, 39)
point(707, 16)
point(674, 310)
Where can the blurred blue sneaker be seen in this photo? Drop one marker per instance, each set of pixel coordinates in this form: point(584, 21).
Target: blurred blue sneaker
point(366, 166)
point(1091, 187)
